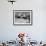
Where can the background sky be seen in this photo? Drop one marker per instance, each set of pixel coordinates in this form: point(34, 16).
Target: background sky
point(8, 31)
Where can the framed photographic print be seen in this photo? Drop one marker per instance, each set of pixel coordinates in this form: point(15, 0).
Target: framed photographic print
point(22, 17)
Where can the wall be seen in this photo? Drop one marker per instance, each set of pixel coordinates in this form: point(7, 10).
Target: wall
point(38, 30)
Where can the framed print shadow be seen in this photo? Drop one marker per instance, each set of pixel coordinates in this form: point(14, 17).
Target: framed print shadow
point(22, 17)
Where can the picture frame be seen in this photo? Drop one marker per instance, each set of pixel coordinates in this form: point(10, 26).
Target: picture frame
point(22, 17)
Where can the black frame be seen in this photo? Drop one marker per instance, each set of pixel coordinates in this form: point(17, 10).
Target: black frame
point(23, 24)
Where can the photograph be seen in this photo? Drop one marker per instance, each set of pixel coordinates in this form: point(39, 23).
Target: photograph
point(22, 17)
point(22, 22)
